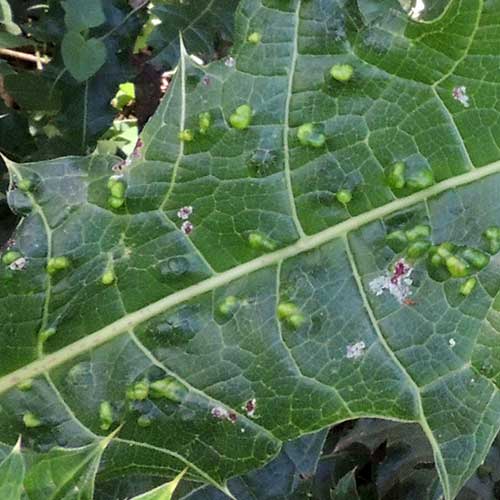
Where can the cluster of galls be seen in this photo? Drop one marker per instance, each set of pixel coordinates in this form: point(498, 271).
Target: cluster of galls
point(445, 260)
point(398, 177)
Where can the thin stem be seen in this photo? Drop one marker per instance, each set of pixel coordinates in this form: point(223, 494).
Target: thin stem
point(125, 19)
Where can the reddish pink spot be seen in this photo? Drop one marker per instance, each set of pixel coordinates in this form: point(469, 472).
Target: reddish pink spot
point(400, 270)
point(137, 149)
point(250, 407)
point(187, 227)
point(232, 417)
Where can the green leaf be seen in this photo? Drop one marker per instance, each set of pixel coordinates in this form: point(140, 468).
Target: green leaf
point(80, 18)
point(209, 239)
point(65, 473)
point(82, 58)
point(12, 472)
point(163, 492)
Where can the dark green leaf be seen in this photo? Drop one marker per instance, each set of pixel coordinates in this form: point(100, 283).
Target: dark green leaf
point(83, 58)
point(80, 17)
point(346, 488)
point(33, 92)
point(9, 41)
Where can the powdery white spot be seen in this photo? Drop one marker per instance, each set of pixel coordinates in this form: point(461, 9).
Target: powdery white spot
point(452, 342)
point(187, 227)
point(230, 62)
point(120, 166)
point(242, 430)
point(18, 264)
point(250, 407)
point(397, 283)
point(354, 351)
point(460, 95)
point(417, 10)
point(184, 212)
point(221, 413)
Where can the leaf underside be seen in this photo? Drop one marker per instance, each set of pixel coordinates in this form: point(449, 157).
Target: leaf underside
point(433, 361)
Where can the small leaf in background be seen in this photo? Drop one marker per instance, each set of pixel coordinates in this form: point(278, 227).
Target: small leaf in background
point(163, 492)
point(12, 472)
point(6, 18)
point(346, 488)
point(83, 15)
point(83, 58)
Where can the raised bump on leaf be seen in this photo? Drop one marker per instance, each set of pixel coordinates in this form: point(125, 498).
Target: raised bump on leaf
point(468, 286)
point(56, 264)
point(106, 415)
point(229, 305)
point(11, 256)
point(308, 135)
point(186, 135)
point(242, 117)
point(138, 391)
point(342, 72)
point(204, 121)
point(261, 242)
point(344, 196)
point(418, 232)
point(31, 421)
point(396, 175)
point(418, 249)
point(168, 388)
point(255, 37)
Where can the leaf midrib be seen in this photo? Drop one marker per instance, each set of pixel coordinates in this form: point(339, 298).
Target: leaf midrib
point(305, 244)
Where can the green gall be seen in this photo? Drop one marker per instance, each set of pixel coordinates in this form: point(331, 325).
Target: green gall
point(186, 135)
point(467, 287)
point(25, 185)
point(421, 179)
point(418, 249)
point(44, 335)
point(139, 391)
point(118, 190)
point(290, 313)
point(168, 388)
point(437, 260)
point(395, 175)
point(475, 257)
point(308, 136)
point(492, 234)
point(57, 264)
point(10, 257)
point(457, 267)
point(144, 421)
point(295, 320)
point(261, 242)
point(419, 232)
point(31, 421)
point(255, 37)
point(397, 241)
point(25, 385)
point(287, 309)
point(344, 196)
point(242, 117)
point(108, 278)
point(105, 415)
point(446, 249)
point(228, 305)
point(116, 202)
point(205, 121)
point(341, 72)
